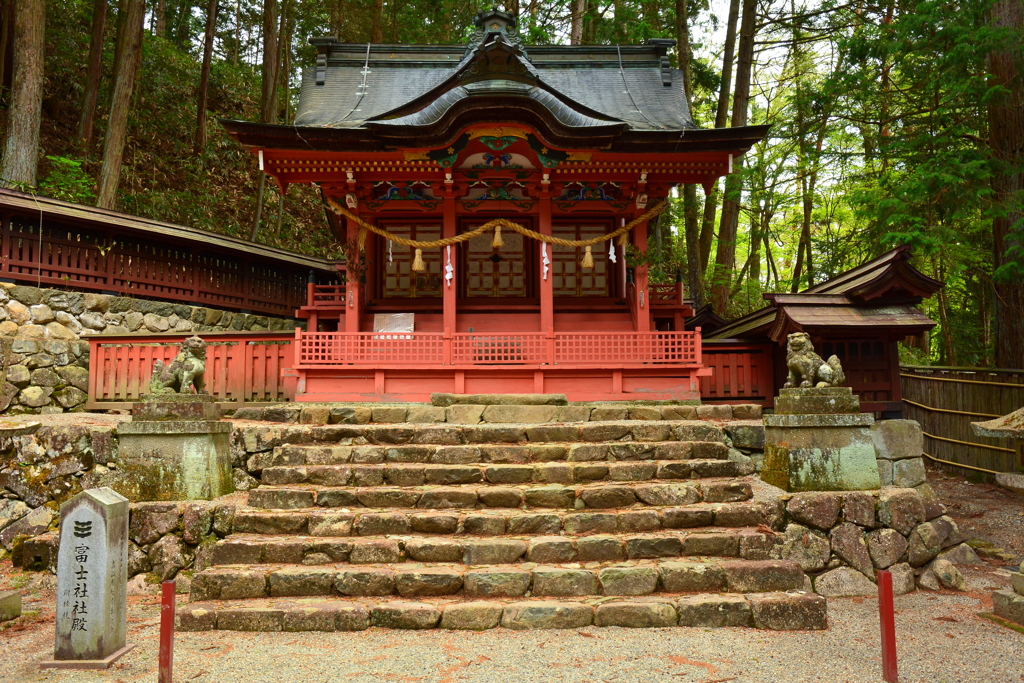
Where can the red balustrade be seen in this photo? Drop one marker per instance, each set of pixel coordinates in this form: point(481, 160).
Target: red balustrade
point(240, 366)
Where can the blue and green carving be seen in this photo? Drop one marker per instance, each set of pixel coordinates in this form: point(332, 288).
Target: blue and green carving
point(498, 144)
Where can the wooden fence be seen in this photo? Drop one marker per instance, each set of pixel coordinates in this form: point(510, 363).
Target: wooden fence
point(947, 400)
point(742, 372)
point(49, 243)
point(240, 366)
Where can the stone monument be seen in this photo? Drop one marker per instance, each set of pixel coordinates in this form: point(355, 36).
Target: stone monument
point(176, 447)
point(92, 581)
point(818, 440)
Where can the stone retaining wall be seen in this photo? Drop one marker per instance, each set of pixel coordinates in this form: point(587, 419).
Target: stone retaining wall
point(46, 366)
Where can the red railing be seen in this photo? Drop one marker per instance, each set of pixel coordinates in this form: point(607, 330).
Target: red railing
point(742, 372)
point(328, 349)
point(240, 366)
point(666, 295)
point(325, 295)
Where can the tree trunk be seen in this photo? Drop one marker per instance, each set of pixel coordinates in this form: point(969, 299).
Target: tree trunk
point(93, 74)
point(691, 227)
point(6, 21)
point(204, 77)
point(512, 7)
point(268, 106)
point(376, 21)
point(725, 258)
point(129, 49)
point(160, 19)
point(1006, 138)
point(238, 30)
point(579, 7)
point(707, 232)
point(21, 151)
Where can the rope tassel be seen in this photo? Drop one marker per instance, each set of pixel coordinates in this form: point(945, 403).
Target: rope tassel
point(588, 259)
point(497, 242)
point(417, 263)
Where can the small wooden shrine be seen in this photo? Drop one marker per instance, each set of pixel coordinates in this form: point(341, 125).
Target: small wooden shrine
point(493, 198)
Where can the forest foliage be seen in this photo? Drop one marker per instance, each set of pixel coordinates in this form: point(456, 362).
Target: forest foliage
point(881, 117)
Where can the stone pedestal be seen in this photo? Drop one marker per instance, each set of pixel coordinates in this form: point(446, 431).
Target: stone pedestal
point(92, 581)
point(818, 440)
point(175, 448)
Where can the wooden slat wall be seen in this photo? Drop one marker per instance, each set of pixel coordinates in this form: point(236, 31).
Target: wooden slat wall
point(742, 372)
point(109, 259)
point(241, 367)
point(964, 390)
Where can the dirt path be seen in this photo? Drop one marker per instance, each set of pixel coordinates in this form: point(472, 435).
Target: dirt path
point(984, 512)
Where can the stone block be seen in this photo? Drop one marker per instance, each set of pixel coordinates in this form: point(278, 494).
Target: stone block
point(464, 414)
point(631, 471)
point(520, 414)
point(902, 578)
point(746, 411)
point(471, 616)
point(651, 547)
point(751, 576)
point(1008, 605)
point(504, 455)
point(859, 508)
point(686, 518)
point(692, 577)
point(382, 551)
point(632, 450)
point(453, 474)
point(559, 497)
point(711, 545)
point(628, 580)
point(740, 515)
point(714, 412)
point(546, 615)
point(714, 611)
point(434, 523)
point(900, 509)
point(559, 582)
point(674, 451)
point(638, 521)
point(964, 554)
point(496, 583)
point(948, 575)
point(603, 497)
point(423, 582)
point(10, 605)
point(262, 619)
point(908, 473)
point(446, 499)
point(897, 439)
point(849, 544)
point(386, 498)
point(405, 615)
point(425, 414)
point(668, 494)
point(554, 473)
point(551, 550)
point(293, 581)
point(534, 524)
point(651, 432)
point(484, 525)
point(194, 460)
point(592, 472)
point(495, 497)
point(843, 582)
point(195, 618)
point(327, 616)
point(727, 492)
point(316, 415)
point(382, 524)
point(817, 510)
point(635, 614)
point(788, 611)
point(388, 414)
point(591, 522)
point(886, 547)
point(599, 549)
point(819, 453)
point(281, 499)
point(365, 582)
point(350, 415)
point(493, 551)
point(932, 507)
point(573, 414)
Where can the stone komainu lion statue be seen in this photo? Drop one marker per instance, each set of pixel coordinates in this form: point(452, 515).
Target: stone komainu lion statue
point(185, 371)
point(806, 368)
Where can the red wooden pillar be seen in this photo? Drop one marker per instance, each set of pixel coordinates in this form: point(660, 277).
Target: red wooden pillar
point(547, 297)
point(643, 296)
point(451, 290)
point(354, 289)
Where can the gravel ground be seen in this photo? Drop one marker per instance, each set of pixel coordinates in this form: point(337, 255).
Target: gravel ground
point(941, 640)
point(983, 511)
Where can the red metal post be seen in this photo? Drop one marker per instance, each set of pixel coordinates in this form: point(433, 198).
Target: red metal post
point(167, 632)
point(887, 617)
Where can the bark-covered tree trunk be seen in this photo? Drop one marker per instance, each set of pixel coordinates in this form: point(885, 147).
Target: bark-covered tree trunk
point(579, 7)
point(268, 106)
point(6, 22)
point(21, 149)
point(1006, 138)
point(691, 226)
point(512, 7)
point(204, 76)
point(160, 19)
point(377, 21)
point(725, 258)
point(707, 231)
point(93, 74)
point(129, 50)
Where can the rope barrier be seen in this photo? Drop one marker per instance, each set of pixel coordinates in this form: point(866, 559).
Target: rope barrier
point(496, 224)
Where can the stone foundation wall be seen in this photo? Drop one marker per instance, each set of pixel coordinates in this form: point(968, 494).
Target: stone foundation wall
point(45, 364)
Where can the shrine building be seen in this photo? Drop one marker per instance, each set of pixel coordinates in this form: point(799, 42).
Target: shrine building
point(494, 200)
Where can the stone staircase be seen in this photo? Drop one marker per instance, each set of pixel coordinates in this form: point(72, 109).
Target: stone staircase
point(639, 523)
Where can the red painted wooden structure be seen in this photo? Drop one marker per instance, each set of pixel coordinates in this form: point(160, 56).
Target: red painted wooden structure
point(429, 142)
point(241, 367)
point(94, 249)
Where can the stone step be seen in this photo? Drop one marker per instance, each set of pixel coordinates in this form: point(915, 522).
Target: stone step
point(472, 496)
point(295, 441)
point(471, 414)
point(490, 454)
point(590, 541)
point(794, 610)
point(544, 473)
point(698, 575)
